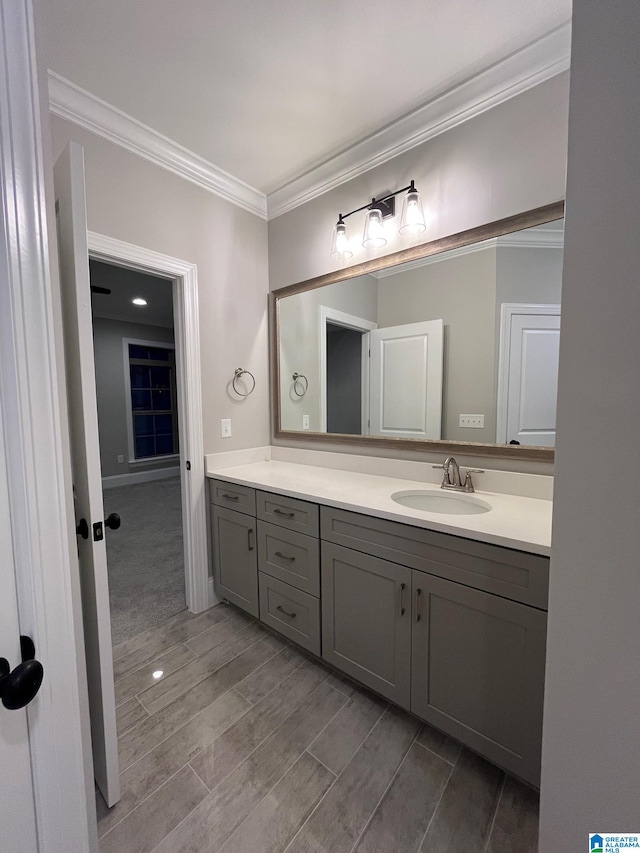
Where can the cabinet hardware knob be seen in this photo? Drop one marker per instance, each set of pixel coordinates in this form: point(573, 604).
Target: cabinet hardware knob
point(286, 612)
point(402, 589)
point(284, 556)
point(286, 514)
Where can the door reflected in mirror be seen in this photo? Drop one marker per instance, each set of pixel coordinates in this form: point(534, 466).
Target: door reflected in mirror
point(459, 346)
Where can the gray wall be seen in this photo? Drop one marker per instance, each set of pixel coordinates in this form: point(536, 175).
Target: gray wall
point(133, 200)
point(508, 160)
point(591, 757)
point(111, 394)
point(300, 342)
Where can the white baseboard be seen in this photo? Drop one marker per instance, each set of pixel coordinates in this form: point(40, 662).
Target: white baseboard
point(140, 477)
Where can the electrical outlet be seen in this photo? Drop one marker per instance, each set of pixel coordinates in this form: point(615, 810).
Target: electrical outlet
point(472, 421)
point(225, 427)
point(120, 459)
point(305, 422)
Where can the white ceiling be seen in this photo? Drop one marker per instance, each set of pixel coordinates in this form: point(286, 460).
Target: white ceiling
point(268, 90)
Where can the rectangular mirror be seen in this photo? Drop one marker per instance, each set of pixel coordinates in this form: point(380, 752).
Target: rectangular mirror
point(450, 345)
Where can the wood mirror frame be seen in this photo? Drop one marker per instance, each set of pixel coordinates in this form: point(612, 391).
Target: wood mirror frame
point(539, 216)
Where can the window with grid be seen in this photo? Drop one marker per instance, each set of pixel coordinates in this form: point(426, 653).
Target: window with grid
point(154, 409)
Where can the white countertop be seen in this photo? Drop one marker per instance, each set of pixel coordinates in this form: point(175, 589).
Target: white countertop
point(514, 521)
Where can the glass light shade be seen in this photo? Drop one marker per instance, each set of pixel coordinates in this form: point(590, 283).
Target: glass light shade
point(373, 237)
point(412, 221)
point(340, 243)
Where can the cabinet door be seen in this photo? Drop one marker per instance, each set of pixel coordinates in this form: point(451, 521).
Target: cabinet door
point(366, 620)
point(478, 671)
point(235, 563)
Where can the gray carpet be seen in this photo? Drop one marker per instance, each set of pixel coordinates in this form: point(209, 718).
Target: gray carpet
point(144, 557)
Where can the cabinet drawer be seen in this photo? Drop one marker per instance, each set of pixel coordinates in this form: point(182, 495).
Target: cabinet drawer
point(502, 571)
point(240, 498)
point(291, 612)
point(289, 556)
point(291, 513)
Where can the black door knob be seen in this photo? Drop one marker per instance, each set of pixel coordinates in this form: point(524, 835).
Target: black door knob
point(83, 528)
point(19, 686)
point(112, 521)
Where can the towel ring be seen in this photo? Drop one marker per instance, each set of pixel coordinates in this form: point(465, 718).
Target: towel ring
point(240, 371)
point(301, 377)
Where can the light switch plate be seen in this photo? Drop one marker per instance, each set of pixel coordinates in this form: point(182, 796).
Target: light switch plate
point(472, 421)
point(305, 422)
point(225, 427)
point(120, 459)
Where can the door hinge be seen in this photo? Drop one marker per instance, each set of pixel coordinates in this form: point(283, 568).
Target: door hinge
point(188, 465)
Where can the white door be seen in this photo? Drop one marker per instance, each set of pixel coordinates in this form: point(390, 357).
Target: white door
point(18, 826)
point(406, 380)
point(87, 481)
point(528, 374)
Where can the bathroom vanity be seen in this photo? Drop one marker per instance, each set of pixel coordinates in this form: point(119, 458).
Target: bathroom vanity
point(444, 616)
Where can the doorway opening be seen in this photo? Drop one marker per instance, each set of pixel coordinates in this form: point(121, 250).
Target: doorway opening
point(344, 372)
point(344, 380)
point(181, 276)
point(136, 391)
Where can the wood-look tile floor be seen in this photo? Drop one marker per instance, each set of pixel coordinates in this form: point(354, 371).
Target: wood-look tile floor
point(244, 745)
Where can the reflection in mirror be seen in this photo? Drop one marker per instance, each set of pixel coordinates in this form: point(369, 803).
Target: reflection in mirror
point(460, 346)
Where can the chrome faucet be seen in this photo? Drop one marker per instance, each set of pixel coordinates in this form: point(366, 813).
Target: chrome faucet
point(451, 478)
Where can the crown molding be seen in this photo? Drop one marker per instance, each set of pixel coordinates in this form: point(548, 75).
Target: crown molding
point(447, 255)
point(539, 61)
point(536, 238)
point(72, 103)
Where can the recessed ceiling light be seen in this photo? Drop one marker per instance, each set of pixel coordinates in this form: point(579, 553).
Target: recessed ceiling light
point(139, 301)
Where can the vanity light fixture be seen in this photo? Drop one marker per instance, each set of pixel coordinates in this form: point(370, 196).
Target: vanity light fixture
point(412, 221)
point(139, 301)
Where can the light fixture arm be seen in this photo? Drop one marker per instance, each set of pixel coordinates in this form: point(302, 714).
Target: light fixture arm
point(376, 202)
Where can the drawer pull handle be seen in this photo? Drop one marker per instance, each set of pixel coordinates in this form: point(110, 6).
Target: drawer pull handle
point(231, 497)
point(418, 599)
point(286, 514)
point(402, 588)
point(249, 539)
point(284, 557)
point(286, 612)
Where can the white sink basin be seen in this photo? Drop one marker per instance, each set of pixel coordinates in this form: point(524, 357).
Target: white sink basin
point(445, 502)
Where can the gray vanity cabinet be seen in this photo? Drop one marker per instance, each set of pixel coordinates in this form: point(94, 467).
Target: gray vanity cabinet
point(451, 629)
point(366, 620)
point(235, 561)
point(478, 665)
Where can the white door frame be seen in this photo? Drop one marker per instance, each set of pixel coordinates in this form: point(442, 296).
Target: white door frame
point(347, 321)
point(507, 311)
point(34, 431)
point(187, 342)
